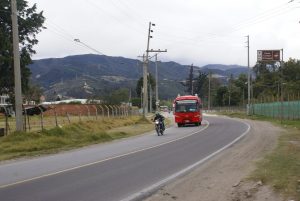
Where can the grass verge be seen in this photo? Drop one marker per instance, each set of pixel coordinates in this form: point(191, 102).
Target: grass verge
point(21, 144)
point(281, 168)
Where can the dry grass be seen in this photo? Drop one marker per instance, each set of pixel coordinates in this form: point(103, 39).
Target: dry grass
point(20, 144)
point(281, 168)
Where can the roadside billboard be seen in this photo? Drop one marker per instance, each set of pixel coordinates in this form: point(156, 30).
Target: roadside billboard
point(268, 55)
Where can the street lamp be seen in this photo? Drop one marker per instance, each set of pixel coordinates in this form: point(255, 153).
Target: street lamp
point(87, 46)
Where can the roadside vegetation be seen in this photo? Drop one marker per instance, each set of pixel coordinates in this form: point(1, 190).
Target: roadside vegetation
point(22, 144)
point(281, 168)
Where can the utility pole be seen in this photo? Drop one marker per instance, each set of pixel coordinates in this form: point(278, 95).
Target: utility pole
point(192, 87)
point(191, 79)
point(156, 85)
point(145, 73)
point(248, 82)
point(142, 97)
point(17, 70)
point(209, 78)
point(281, 83)
point(150, 94)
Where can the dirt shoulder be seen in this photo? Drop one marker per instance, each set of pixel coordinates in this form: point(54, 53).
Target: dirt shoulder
point(223, 177)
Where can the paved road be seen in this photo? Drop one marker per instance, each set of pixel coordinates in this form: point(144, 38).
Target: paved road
point(118, 170)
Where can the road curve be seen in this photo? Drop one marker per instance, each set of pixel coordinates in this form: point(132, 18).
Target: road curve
point(120, 177)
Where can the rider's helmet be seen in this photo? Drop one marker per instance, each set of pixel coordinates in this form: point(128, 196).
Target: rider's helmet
point(157, 113)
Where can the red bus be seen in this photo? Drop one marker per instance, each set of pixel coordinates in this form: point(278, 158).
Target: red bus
point(187, 110)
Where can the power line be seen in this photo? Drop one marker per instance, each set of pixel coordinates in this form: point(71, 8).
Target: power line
point(69, 37)
point(126, 25)
point(89, 47)
point(129, 14)
point(274, 12)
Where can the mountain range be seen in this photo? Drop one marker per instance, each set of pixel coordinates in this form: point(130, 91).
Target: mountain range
point(87, 76)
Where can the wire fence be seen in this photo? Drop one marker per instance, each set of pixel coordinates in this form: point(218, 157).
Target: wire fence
point(285, 107)
point(280, 110)
point(64, 114)
point(225, 109)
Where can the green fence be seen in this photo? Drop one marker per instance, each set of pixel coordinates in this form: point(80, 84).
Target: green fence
point(284, 110)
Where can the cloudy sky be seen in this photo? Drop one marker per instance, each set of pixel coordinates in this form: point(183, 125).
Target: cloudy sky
point(193, 31)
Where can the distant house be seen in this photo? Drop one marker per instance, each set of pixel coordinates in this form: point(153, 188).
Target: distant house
point(5, 106)
point(82, 101)
point(3, 99)
point(70, 101)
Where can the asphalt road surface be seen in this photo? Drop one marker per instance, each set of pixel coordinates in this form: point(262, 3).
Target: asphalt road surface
point(123, 170)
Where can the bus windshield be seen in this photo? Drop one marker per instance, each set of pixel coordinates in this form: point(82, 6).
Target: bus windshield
point(186, 106)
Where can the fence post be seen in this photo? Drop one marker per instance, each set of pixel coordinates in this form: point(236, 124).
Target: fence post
point(117, 111)
point(298, 109)
point(6, 121)
point(25, 118)
point(55, 116)
point(79, 116)
point(102, 110)
point(68, 117)
point(96, 112)
point(112, 110)
point(42, 118)
point(288, 107)
point(120, 111)
point(124, 111)
point(88, 110)
point(293, 106)
point(107, 110)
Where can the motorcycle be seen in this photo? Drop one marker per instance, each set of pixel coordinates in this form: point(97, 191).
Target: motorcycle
point(159, 127)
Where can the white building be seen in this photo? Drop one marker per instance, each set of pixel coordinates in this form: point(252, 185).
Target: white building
point(3, 100)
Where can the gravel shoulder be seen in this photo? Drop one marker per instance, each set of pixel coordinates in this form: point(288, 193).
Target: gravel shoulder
point(223, 178)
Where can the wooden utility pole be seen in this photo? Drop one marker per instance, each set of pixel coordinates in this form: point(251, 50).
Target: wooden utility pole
point(156, 85)
point(145, 71)
point(209, 79)
point(17, 70)
point(248, 78)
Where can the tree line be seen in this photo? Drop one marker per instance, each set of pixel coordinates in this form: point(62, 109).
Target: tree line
point(271, 80)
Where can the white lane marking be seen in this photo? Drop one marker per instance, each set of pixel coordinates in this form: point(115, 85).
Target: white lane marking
point(101, 161)
point(149, 190)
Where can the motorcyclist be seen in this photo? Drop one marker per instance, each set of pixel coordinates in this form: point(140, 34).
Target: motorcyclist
point(161, 118)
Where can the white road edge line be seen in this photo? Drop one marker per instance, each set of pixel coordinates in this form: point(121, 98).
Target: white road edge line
point(153, 188)
point(101, 161)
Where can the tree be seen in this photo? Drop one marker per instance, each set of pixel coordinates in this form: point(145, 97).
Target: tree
point(33, 93)
point(151, 86)
point(188, 84)
point(291, 76)
point(241, 84)
point(136, 102)
point(220, 99)
point(267, 79)
point(117, 97)
point(139, 84)
point(30, 24)
point(201, 84)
